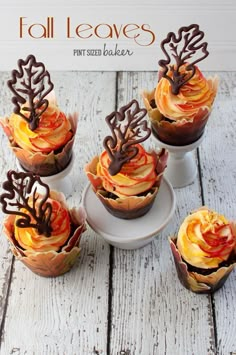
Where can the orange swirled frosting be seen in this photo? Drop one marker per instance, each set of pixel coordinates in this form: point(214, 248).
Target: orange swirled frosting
point(196, 93)
point(53, 131)
point(29, 238)
point(205, 239)
point(135, 177)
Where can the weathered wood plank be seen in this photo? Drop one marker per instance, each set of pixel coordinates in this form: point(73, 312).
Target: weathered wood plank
point(68, 314)
point(218, 163)
point(151, 312)
point(7, 160)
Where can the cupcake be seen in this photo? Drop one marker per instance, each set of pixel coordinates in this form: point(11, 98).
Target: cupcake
point(180, 105)
point(40, 134)
point(204, 250)
point(43, 232)
point(125, 177)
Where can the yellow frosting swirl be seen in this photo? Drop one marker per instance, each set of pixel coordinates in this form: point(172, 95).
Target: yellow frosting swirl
point(205, 239)
point(29, 238)
point(53, 132)
point(197, 93)
point(136, 176)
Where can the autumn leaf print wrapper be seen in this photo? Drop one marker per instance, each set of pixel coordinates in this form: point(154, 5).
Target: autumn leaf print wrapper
point(178, 133)
point(132, 206)
point(195, 281)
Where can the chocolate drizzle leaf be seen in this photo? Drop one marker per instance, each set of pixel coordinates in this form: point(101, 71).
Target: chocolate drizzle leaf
point(30, 85)
point(22, 194)
point(182, 48)
point(127, 127)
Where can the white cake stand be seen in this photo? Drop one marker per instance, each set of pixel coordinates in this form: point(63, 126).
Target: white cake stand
point(181, 166)
point(130, 233)
point(60, 182)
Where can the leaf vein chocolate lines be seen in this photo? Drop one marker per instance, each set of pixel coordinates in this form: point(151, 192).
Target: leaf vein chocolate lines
point(32, 87)
point(23, 184)
point(120, 146)
point(191, 45)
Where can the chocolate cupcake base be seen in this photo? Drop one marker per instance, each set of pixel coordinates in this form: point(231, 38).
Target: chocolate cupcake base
point(171, 133)
point(177, 133)
point(128, 208)
point(42, 164)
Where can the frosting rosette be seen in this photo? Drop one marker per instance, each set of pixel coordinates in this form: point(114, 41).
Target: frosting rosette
point(205, 239)
point(48, 149)
point(198, 93)
point(31, 241)
point(43, 232)
point(204, 250)
point(131, 192)
point(180, 105)
point(54, 131)
point(135, 177)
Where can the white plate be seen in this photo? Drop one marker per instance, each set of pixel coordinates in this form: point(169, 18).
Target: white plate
point(133, 233)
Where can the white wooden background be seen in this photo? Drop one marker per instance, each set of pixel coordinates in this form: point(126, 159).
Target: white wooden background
point(119, 302)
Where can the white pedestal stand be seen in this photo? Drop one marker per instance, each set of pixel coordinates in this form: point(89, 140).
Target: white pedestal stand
point(59, 182)
point(181, 167)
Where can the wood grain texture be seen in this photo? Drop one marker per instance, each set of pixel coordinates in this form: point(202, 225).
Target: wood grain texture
point(218, 163)
point(68, 314)
point(151, 312)
point(147, 311)
point(7, 160)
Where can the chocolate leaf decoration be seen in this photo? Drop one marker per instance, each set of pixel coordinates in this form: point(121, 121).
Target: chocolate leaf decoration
point(30, 85)
point(182, 47)
point(127, 126)
point(22, 194)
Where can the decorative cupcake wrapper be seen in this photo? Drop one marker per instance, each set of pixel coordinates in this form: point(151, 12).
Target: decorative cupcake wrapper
point(195, 281)
point(181, 132)
point(50, 263)
point(131, 206)
point(41, 163)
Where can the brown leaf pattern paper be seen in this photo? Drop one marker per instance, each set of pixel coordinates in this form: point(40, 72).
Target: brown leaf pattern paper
point(195, 281)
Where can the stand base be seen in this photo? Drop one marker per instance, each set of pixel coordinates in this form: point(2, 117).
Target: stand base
point(60, 182)
point(181, 167)
point(181, 171)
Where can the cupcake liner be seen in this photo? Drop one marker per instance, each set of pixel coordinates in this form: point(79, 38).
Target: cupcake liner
point(194, 280)
point(50, 263)
point(179, 133)
point(41, 163)
point(131, 206)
